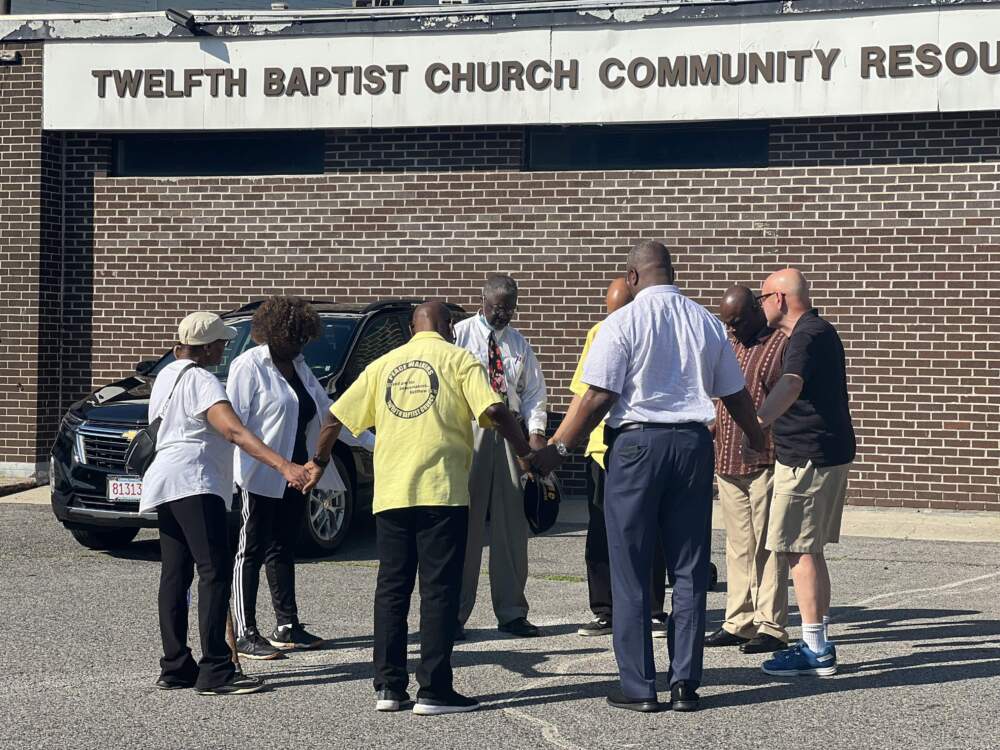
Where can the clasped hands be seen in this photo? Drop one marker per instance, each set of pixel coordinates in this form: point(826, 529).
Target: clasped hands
point(302, 478)
point(543, 459)
point(753, 454)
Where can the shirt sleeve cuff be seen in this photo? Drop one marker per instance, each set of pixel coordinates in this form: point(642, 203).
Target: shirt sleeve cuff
point(353, 428)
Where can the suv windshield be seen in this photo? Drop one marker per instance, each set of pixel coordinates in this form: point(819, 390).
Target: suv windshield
point(325, 356)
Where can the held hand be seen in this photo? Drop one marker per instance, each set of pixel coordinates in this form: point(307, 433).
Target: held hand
point(296, 475)
point(524, 463)
point(752, 454)
point(547, 460)
point(537, 442)
point(315, 473)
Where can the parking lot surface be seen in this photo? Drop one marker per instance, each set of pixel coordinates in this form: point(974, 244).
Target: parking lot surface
point(917, 626)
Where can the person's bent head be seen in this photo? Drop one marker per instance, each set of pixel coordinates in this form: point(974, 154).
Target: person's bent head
point(618, 295)
point(202, 338)
point(741, 314)
point(784, 293)
point(649, 264)
point(286, 325)
point(499, 300)
point(435, 317)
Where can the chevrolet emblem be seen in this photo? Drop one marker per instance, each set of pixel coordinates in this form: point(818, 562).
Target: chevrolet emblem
point(130, 435)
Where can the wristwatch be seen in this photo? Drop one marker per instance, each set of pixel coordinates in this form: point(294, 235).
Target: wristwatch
point(561, 448)
point(319, 462)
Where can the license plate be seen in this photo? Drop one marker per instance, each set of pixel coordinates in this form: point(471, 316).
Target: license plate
point(124, 489)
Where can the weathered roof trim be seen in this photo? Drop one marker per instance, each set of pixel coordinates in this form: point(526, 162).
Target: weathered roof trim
point(404, 19)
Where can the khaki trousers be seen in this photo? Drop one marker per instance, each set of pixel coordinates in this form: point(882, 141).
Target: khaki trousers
point(495, 487)
point(757, 580)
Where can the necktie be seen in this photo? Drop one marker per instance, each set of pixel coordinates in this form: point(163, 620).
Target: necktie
point(498, 380)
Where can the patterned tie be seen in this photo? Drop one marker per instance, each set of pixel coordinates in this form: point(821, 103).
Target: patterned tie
point(498, 380)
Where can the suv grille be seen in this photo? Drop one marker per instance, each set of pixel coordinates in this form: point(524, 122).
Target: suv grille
point(103, 446)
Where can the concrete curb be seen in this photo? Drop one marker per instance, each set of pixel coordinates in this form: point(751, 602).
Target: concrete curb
point(878, 523)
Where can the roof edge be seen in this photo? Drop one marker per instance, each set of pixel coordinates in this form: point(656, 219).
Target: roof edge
point(448, 18)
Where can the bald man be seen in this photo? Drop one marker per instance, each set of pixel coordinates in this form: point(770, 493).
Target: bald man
point(814, 446)
point(596, 550)
point(756, 588)
point(423, 398)
point(653, 370)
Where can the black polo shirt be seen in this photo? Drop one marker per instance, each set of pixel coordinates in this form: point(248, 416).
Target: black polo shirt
point(817, 427)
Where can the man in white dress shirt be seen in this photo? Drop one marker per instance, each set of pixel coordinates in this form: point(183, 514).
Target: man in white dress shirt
point(653, 369)
point(494, 483)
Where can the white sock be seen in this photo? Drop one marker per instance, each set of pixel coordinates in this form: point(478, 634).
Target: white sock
point(826, 627)
point(813, 636)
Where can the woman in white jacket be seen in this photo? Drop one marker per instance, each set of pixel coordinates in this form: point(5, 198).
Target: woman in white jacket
point(276, 394)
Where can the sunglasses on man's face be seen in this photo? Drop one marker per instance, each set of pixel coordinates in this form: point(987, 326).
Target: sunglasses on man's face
point(761, 297)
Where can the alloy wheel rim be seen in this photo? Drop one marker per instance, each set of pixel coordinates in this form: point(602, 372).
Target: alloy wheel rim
point(327, 510)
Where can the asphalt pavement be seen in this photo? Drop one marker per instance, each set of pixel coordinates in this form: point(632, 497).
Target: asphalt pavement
point(916, 627)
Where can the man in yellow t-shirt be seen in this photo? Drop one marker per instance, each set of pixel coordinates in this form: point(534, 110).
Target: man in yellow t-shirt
point(596, 550)
point(422, 399)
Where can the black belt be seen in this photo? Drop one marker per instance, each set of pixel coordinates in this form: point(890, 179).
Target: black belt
point(629, 426)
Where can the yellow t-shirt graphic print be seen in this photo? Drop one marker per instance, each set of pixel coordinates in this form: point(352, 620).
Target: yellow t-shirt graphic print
point(412, 389)
point(421, 398)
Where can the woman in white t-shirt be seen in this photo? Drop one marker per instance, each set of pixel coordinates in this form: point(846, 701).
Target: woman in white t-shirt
point(189, 484)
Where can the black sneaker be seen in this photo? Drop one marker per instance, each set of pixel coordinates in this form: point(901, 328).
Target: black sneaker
point(238, 684)
point(295, 636)
point(390, 700)
point(520, 627)
point(453, 704)
point(598, 626)
point(254, 646)
point(169, 683)
point(660, 626)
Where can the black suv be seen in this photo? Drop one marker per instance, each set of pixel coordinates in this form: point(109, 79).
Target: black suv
point(98, 502)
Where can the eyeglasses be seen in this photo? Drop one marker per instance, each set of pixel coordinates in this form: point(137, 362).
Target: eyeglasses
point(758, 298)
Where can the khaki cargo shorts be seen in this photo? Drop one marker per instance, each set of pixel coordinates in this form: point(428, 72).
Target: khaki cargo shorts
point(807, 505)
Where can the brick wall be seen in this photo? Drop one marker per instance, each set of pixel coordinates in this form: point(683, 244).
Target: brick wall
point(905, 259)
point(20, 256)
point(899, 239)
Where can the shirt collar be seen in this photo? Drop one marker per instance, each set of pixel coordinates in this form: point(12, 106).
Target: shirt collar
point(426, 335)
point(659, 289)
point(488, 329)
point(265, 355)
point(812, 312)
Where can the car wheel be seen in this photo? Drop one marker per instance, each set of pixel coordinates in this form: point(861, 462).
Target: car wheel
point(104, 539)
point(328, 516)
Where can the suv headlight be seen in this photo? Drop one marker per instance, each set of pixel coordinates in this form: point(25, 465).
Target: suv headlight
point(79, 451)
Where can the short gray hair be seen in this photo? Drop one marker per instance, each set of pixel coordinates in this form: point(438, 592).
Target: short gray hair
point(499, 284)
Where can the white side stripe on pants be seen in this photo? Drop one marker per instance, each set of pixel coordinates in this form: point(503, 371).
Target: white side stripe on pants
point(241, 551)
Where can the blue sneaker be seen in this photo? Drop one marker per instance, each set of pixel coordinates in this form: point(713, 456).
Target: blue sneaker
point(800, 659)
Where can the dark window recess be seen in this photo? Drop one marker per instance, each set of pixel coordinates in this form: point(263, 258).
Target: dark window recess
point(207, 154)
point(647, 146)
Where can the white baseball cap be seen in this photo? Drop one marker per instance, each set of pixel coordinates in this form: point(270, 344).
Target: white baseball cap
point(203, 328)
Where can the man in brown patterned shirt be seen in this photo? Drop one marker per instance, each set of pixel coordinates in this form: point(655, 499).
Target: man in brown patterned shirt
point(757, 598)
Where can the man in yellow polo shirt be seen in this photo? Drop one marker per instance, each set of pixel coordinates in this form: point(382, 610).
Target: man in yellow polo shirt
point(596, 550)
point(422, 399)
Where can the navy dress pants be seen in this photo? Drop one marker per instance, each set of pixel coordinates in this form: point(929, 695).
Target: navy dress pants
point(659, 482)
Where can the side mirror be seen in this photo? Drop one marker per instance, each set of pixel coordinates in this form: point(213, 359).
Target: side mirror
point(145, 366)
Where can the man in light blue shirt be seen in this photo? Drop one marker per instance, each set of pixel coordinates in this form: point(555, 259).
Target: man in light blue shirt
point(654, 369)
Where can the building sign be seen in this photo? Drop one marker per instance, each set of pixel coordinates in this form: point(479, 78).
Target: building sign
point(907, 61)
